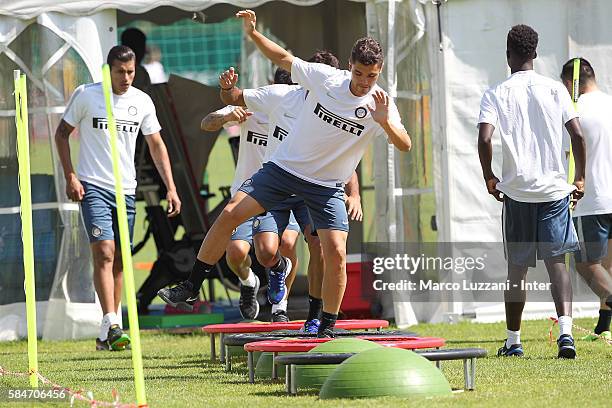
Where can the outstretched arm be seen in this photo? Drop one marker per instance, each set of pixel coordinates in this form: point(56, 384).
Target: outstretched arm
point(274, 52)
point(230, 94)
point(215, 120)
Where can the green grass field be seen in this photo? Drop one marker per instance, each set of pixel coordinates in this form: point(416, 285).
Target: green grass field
point(178, 372)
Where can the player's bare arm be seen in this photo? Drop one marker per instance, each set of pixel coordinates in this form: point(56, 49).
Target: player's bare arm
point(398, 136)
point(159, 154)
point(274, 52)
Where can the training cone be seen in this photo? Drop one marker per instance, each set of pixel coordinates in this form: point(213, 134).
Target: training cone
point(313, 376)
point(383, 372)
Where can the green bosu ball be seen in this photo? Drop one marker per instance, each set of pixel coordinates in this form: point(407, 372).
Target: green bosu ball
point(263, 369)
point(385, 371)
point(313, 376)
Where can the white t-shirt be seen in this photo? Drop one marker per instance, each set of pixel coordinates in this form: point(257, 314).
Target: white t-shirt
point(253, 141)
point(134, 110)
point(282, 103)
point(595, 109)
point(529, 111)
point(333, 129)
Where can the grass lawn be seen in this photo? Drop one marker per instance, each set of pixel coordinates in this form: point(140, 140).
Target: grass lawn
point(179, 374)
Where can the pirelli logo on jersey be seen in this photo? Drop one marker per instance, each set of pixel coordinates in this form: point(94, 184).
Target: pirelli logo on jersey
point(122, 125)
point(338, 121)
point(280, 133)
point(258, 139)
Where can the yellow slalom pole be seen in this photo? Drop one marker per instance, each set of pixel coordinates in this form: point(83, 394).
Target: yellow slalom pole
point(575, 94)
point(23, 156)
point(126, 250)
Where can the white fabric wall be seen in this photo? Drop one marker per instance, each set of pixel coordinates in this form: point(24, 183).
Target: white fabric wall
point(472, 58)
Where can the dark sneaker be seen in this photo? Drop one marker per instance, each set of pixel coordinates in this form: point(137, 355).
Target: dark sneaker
point(117, 339)
point(248, 304)
point(311, 326)
point(182, 296)
point(515, 350)
point(280, 316)
point(276, 283)
point(102, 345)
point(326, 333)
point(566, 346)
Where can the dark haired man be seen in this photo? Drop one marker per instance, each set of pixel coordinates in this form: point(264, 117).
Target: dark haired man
point(343, 113)
point(283, 105)
point(529, 111)
point(93, 184)
point(593, 213)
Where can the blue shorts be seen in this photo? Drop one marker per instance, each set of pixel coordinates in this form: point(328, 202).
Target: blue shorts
point(292, 214)
point(100, 214)
point(594, 231)
point(271, 186)
point(537, 230)
point(244, 232)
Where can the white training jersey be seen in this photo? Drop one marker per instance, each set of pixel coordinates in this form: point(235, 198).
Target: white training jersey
point(595, 109)
point(282, 103)
point(529, 111)
point(253, 141)
point(133, 111)
point(334, 128)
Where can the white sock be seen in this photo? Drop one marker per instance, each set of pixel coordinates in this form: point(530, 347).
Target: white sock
point(107, 322)
point(565, 325)
point(514, 337)
point(250, 280)
point(282, 305)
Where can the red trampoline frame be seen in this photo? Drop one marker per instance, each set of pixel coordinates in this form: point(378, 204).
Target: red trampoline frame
point(298, 345)
point(295, 325)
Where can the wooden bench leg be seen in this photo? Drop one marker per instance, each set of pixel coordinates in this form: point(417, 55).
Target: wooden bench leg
point(251, 367)
point(213, 353)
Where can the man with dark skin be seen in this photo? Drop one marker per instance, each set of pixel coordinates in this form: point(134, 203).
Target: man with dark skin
point(529, 112)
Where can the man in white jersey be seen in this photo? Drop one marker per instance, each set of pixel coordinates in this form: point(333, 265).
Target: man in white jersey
point(529, 112)
point(93, 183)
point(283, 104)
point(593, 213)
point(344, 112)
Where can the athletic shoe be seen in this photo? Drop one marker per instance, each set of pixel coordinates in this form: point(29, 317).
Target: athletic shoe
point(102, 345)
point(280, 316)
point(248, 304)
point(515, 350)
point(117, 339)
point(566, 347)
point(311, 326)
point(183, 296)
point(326, 333)
point(606, 335)
point(276, 283)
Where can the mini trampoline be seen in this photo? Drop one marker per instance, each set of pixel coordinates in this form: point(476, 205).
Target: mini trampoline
point(262, 327)
point(301, 345)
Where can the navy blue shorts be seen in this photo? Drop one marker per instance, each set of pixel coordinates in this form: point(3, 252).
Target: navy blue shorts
point(100, 214)
point(537, 230)
point(271, 186)
point(594, 231)
point(244, 232)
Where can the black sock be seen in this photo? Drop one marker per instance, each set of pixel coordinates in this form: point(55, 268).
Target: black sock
point(280, 265)
point(603, 324)
point(199, 272)
point(328, 321)
point(609, 301)
point(314, 308)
